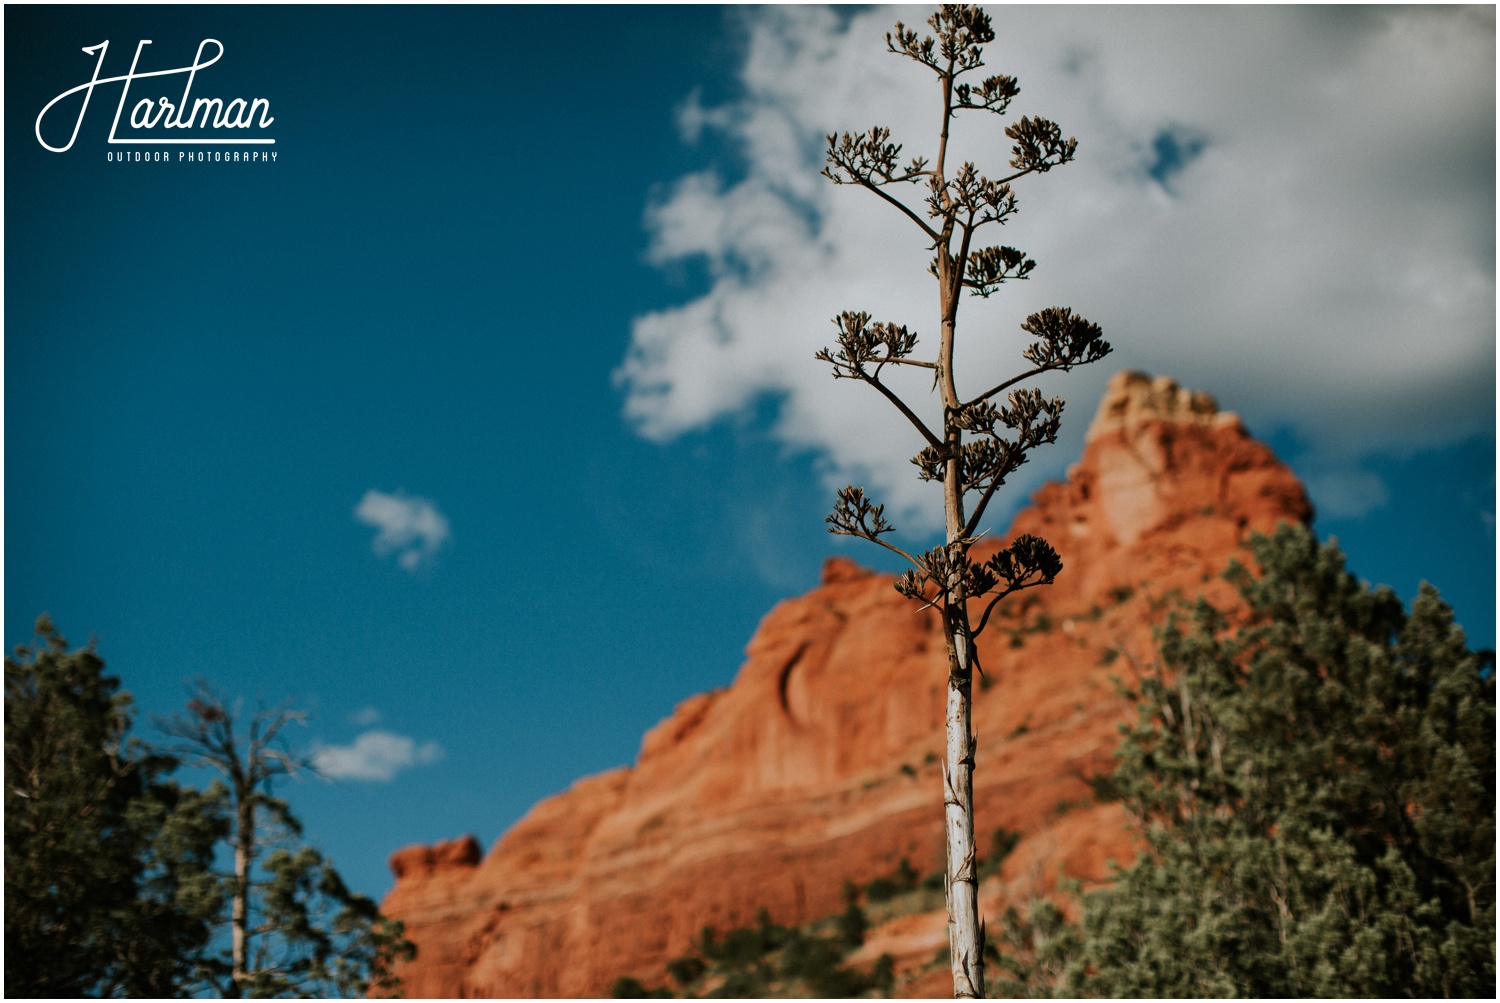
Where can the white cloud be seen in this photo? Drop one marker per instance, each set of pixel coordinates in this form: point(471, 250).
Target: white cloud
point(411, 528)
point(1320, 255)
point(374, 755)
point(365, 717)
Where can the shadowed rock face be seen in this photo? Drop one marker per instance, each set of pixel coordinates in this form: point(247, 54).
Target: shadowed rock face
point(821, 762)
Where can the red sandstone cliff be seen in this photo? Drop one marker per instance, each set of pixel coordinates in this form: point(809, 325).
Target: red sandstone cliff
point(820, 762)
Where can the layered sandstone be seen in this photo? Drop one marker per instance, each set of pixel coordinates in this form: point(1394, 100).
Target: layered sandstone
point(820, 763)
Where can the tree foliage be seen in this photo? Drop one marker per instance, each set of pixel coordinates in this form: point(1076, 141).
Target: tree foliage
point(295, 928)
point(767, 960)
point(111, 884)
point(316, 937)
point(1033, 949)
point(1316, 790)
point(108, 865)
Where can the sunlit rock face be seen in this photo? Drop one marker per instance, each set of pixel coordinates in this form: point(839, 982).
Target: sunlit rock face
point(821, 762)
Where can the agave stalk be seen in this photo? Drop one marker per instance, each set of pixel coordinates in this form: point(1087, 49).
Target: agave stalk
point(979, 444)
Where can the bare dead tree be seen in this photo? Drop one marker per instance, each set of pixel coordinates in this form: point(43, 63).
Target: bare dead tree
point(207, 735)
point(980, 443)
point(295, 928)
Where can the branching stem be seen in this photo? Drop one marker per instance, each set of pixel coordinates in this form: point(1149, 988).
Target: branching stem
point(944, 576)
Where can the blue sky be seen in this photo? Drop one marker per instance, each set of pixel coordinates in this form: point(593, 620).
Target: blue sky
point(483, 423)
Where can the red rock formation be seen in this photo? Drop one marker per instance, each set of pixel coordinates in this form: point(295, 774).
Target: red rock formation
point(821, 762)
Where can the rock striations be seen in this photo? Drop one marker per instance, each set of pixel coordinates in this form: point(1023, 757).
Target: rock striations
point(821, 762)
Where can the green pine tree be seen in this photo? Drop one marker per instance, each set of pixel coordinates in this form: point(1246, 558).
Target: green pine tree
point(1317, 795)
point(108, 866)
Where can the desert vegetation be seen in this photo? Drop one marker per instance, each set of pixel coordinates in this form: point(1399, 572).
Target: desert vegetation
point(113, 882)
